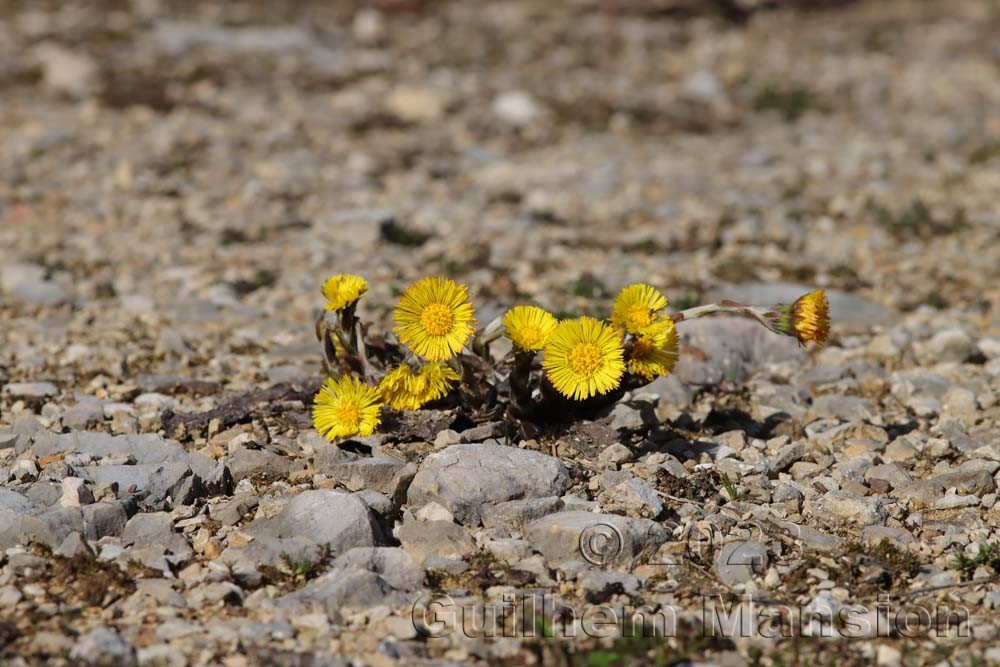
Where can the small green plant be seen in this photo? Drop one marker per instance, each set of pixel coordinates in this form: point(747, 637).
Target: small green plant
point(304, 570)
point(791, 101)
point(988, 556)
point(733, 491)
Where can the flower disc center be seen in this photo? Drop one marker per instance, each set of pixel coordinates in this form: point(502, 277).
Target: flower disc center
point(640, 317)
point(585, 358)
point(530, 336)
point(349, 414)
point(437, 319)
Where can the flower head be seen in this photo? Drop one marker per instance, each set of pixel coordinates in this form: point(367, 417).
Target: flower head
point(654, 354)
point(637, 307)
point(343, 289)
point(396, 389)
point(346, 406)
point(403, 389)
point(807, 319)
point(583, 358)
point(437, 379)
point(434, 318)
point(529, 327)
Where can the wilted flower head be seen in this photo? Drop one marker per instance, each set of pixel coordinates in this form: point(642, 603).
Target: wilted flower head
point(807, 319)
point(529, 327)
point(637, 308)
point(343, 289)
point(345, 407)
point(434, 318)
point(404, 389)
point(654, 354)
point(583, 358)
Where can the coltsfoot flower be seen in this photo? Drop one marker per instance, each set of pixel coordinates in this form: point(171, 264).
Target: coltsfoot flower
point(654, 354)
point(404, 389)
point(345, 407)
point(436, 379)
point(529, 327)
point(396, 389)
point(807, 319)
point(637, 308)
point(583, 358)
point(434, 318)
point(343, 289)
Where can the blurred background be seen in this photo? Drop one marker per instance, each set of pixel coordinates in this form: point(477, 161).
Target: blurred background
point(178, 178)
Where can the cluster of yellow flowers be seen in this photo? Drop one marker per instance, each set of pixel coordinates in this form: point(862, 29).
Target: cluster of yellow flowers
point(584, 357)
point(581, 357)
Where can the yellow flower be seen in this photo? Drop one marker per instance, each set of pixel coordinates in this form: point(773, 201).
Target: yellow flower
point(403, 389)
point(810, 317)
point(345, 407)
point(396, 388)
point(583, 358)
point(437, 379)
point(529, 327)
point(343, 289)
point(637, 307)
point(434, 318)
point(654, 354)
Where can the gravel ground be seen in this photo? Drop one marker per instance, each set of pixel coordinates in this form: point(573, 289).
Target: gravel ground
point(176, 182)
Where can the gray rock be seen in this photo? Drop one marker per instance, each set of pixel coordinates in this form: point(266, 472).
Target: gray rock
point(847, 408)
point(22, 520)
point(893, 473)
point(104, 518)
point(144, 448)
point(950, 345)
point(615, 454)
point(87, 413)
point(442, 539)
point(246, 462)
point(967, 481)
point(345, 591)
point(376, 473)
point(30, 391)
point(731, 349)
point(324, 517)
point(72, 73)
point(483, 432)
point(844, 506)
point(607, 540)
point(625, 417)
point(466, 479)
point(811, 537)
point(517, 108)
point(513, 515)
point(874, 535)
point(161, 486)
point(43, 293)
point(738, 562)
point(632, 497)
point(245, 562)
point(75, 492)
point(232, 511)
point(391, 563)
point(786, 457)
point(73, 545)
point(215, 593)
point(103, 647)
point(599, 585)
point(156, 528)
